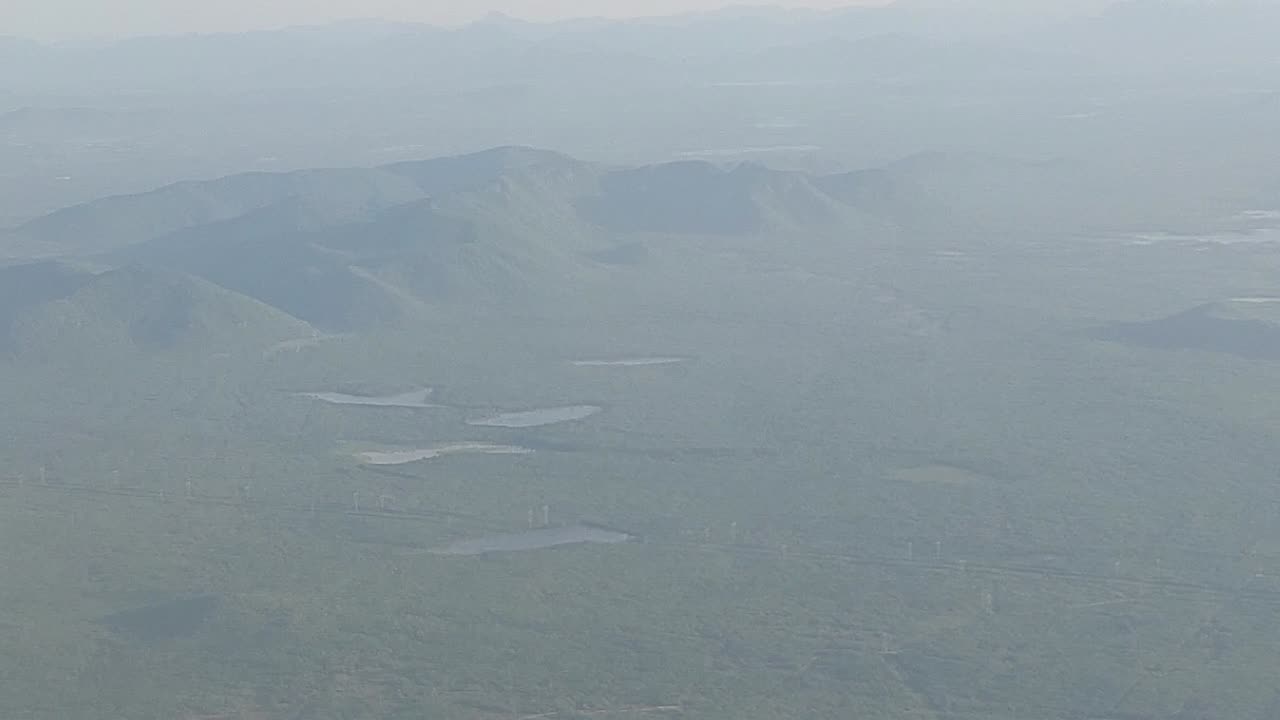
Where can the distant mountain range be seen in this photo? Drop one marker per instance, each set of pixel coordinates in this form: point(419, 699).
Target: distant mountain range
point(685, 197)
point(343, 248)
point(263, 258)
point(700, 46)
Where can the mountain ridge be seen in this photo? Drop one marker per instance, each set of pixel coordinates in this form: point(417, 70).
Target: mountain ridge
point(352, 248)
point(331, 195)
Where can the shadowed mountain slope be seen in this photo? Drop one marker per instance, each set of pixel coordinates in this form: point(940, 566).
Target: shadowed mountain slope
point(135, 310)
point(349, 249)
point(1246, 327)
point(311, 197)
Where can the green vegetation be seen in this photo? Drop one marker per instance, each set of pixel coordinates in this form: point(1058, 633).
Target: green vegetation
point(898, 475)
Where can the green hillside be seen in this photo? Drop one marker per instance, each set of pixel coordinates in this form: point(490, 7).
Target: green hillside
point(497, 242)
point(1249, 327)
point(350, 249)
point(134, 310)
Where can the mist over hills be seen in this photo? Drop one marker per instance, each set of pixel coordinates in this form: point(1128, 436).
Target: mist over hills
point(354, 247)
point(390, 54)
point(1089, 81)
point(694, 198)
point(779, 359)
point(685, 197)
point(909, 362)
point(1217, 33)
point(969, 192)
point(274, 200)
point(344, 248)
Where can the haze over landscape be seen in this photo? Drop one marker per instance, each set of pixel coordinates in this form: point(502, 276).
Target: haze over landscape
point(914, 361)
point(71, 18)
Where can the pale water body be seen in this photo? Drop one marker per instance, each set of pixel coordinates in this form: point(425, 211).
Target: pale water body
point(534, 540)
point(414, 399)
point(299, 344)
point(1269, 236)
point(1256, 300)
point(404, 457)
point(771, 83)
point(537, 418)
point(629, 362)
point(1260, 215)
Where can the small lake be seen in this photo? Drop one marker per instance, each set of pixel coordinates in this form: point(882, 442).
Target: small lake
point(1260, 215)
point(629, 362)
point(537, 418)
point(412, 399)
point(299, 344)
point(404, 457)
point(1253, 237)
point(535, 540)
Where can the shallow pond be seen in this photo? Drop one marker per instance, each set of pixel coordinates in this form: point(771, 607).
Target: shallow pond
point(412, 399)
point(537, 418)
point(406, 456)
point(535, 540)
point(1252, 237)
point(629, 362)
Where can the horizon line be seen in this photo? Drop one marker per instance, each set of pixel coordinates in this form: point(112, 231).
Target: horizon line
point(491, 17)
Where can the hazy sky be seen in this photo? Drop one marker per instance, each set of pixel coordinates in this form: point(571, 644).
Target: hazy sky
point(59, 18)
